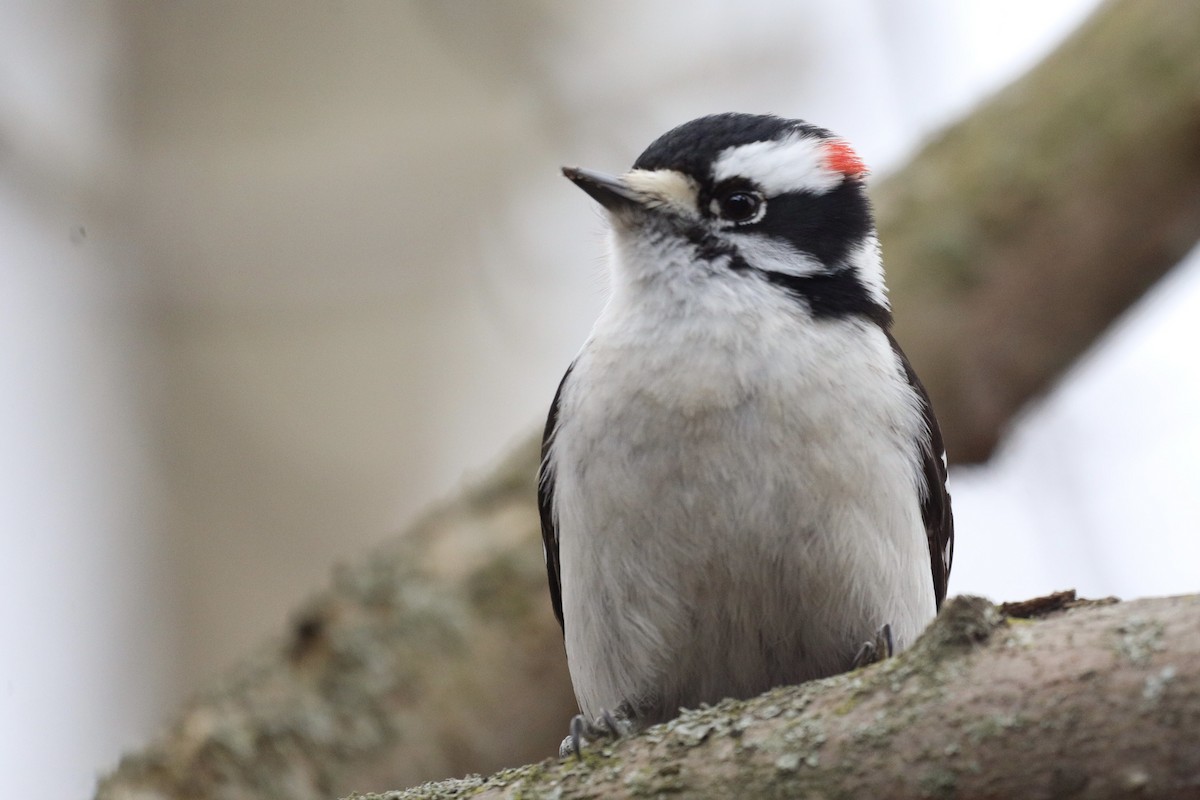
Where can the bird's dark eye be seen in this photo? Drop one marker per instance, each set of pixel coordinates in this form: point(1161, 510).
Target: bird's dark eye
point(739, 205)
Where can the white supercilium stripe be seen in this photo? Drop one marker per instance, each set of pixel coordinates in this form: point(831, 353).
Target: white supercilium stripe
point(792, 164)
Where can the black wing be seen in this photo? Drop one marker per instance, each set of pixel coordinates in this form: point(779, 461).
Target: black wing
point(935, 501)
point(546, 505)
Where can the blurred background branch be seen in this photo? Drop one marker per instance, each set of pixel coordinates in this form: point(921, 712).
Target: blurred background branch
point(1017, 236)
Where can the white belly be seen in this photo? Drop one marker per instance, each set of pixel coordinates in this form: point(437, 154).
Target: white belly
point(735, 511)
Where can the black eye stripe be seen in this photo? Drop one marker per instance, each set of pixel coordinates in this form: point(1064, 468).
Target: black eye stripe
point(825, 225)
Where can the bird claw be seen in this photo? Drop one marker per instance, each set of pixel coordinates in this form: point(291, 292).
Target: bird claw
point(607, 725)
point(875, 650)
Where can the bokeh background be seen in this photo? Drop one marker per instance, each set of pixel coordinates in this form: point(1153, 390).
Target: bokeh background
point(276, 275)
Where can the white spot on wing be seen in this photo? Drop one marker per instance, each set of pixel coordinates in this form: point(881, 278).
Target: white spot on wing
point(793, 164)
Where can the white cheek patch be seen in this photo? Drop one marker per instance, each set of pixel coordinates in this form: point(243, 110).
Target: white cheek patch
point(795, 163)
point(775, 255)
point(665, 188)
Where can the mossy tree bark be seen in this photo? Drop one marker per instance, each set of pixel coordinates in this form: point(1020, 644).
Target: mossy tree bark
point(1012, 241)
point(1099, 701)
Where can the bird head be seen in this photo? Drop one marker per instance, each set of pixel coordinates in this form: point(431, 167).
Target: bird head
point(753, 198)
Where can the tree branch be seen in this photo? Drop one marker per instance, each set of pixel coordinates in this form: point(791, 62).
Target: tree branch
point(1100, 701)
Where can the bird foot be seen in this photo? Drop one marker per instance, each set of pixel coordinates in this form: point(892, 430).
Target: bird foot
point(875, 650)
point(606, 726)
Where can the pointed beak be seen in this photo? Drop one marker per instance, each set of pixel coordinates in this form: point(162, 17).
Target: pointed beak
point(608, 190)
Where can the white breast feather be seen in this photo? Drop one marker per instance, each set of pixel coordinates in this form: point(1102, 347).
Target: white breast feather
point(736, 493)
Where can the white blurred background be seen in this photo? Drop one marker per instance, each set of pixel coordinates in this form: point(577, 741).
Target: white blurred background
point(276, 275)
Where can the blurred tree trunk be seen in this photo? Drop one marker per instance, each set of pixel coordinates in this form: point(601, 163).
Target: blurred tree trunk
point(1012, 240)
point(1015, 237)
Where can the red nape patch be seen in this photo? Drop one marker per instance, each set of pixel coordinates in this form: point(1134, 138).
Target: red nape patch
point(840, 157)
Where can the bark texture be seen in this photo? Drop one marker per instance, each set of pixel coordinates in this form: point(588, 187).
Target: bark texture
point(1012, 241)
point(1098, 701)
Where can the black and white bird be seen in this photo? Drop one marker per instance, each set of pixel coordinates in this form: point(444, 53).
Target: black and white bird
point(742, 480)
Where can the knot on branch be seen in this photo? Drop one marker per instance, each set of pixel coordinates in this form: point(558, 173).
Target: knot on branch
point(964, 622)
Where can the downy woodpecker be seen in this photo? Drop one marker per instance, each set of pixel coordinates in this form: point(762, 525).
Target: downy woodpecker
point(742, 480)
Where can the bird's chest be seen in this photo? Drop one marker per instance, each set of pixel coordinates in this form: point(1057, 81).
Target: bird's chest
point(720, 395)
point(682, 441)
point(725, 479)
